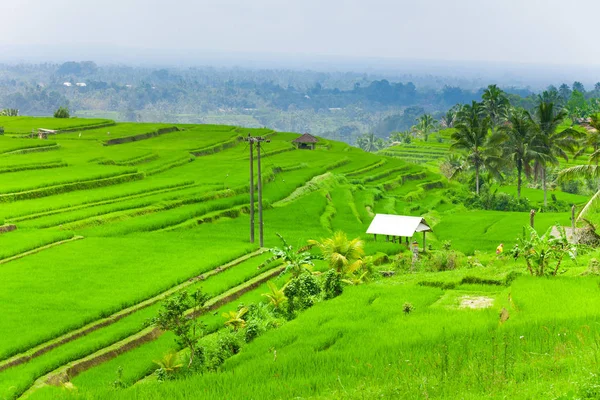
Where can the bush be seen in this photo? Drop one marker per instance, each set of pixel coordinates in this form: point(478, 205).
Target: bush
point(62, 112)
point(1, 130)
point(301, 293)
point(332, 285)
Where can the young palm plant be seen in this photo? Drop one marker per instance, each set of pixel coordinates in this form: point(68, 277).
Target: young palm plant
point(276, 296)
point(343, 255)
point(235, 319)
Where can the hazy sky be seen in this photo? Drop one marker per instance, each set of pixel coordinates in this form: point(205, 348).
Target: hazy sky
point(527, 31)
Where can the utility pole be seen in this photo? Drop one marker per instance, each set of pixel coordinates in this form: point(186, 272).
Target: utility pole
point(251, 140)
point(251, 190)
point(260, 210)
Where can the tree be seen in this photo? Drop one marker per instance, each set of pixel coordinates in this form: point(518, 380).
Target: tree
point(425, 126)
point(9, 112)
point(552, 141)
point(539, 251)
point(495, 105)
point(370, 143)
point(449, 118)
point(295, 262)
point(592, 139)
point(590, 171)
point(518, 143)
point(597, 86)
point(62, 112)
point(471, 136)
point(173, 317)
point(564, 91)
point(579, 87)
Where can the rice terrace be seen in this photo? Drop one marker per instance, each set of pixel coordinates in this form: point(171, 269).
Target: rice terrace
point(127, 271)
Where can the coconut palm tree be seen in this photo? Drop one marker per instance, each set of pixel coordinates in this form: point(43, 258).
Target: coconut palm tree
point(592, 139)
point(495, 105)
point(425, 126)
point(517, 139)
point(370, 143)
point(449, 119)
point(471, 136)
point(551, 139)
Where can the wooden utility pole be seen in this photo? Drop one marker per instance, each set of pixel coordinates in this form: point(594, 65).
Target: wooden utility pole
point(251, 140)
point(260, 210)
point(251, 190)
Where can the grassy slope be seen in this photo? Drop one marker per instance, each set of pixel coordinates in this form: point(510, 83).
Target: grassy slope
point(127, 256)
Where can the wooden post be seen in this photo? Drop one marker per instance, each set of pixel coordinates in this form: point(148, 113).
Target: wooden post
point(251, 191)
point(573, 218)
point(375, 236)
point(424, 244)
point(260, 209)
point(532, 218)
point(387, 238)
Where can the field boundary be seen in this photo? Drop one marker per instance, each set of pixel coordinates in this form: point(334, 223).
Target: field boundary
point(70, 187)
point(43, 348)
point(37, 250)
point(141, 136)
point(74, 368)
point(35, 149)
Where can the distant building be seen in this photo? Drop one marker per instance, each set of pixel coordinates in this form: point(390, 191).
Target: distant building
point(67, 84)
point(81, 84)
point(306, 141)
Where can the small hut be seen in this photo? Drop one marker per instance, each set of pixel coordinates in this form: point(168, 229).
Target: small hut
point(43, 133)
point(306, 141)
point(398, 226)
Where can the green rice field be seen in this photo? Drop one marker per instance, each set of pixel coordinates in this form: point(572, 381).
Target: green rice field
point(113, 218)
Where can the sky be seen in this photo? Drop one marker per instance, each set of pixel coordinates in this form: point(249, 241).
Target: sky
point(489, 31)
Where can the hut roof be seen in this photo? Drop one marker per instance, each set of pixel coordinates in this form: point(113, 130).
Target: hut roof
point(306, 138)
point(397, 225)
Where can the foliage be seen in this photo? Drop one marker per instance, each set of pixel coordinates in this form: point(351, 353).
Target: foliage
point(407, 308)
point(234, 319)
point(168, 365)
point(301, 292)
point(540, 252)
point(62, 112)
point(343, 255)
point(296, 262)
point(172, 317)
point(370, 143)
point(276, 296)
point(332, 284)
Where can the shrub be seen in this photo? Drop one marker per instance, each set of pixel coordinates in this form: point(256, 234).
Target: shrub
point(62, 112)
point(301, 293)
point(332, 285)
point(1, 130)
point(407, 308)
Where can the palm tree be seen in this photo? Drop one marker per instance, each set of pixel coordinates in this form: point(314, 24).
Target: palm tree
point(449, 118)
point(343, 255)
point(552, 141)
point(495, 105)
point(425, 126)
point(518, 142)
point(370, 143)
point(471, 136)
point(592, 139)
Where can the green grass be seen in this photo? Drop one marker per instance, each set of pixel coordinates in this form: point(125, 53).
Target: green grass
point(186, 214)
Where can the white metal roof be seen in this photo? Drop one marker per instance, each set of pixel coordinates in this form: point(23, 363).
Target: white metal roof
point(397, 225)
